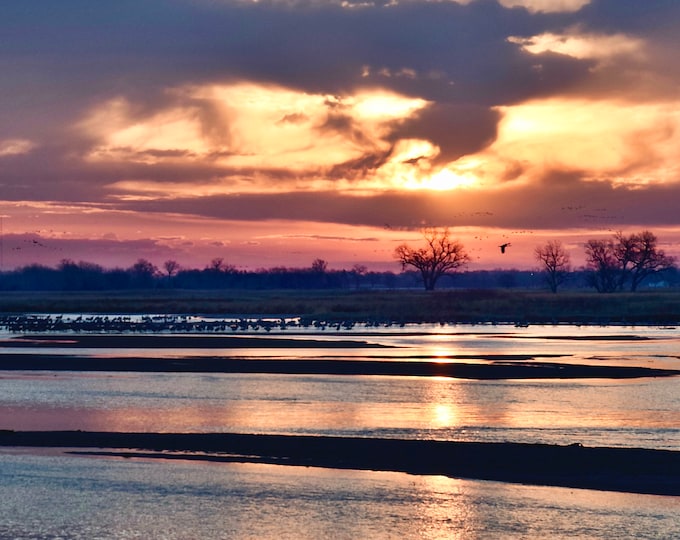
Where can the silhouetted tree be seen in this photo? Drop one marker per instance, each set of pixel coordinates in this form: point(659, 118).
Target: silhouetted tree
point(613, 263)
point(441, 256)
point(218, 265)
point(555, 262)
point(603, 269)
point(357, 272)
point(319, 266)
point(639, 257)
point(171, 267)
point(143, 272)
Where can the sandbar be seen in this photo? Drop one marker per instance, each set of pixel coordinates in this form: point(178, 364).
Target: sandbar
point(320, 366)
point(634, 470)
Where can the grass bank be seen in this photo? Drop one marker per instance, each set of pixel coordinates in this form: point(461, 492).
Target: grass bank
point(455, 306)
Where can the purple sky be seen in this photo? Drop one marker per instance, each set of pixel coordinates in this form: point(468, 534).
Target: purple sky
point(274, 132)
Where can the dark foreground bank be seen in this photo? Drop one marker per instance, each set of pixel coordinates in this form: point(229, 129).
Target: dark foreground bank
point(613, 469)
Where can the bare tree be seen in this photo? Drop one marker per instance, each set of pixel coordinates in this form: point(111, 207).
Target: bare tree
point(441, 256)
point(555, 262)
point(171, 267)
point(623, 259)
point(602, 266)
point(143, 272)
point(642, 257)
point(357, 272)
point(216, 265)
point(319, 266)
point(144, 267)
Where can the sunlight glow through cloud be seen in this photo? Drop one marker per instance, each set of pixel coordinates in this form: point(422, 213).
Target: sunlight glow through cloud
point(250, 127)
point(546, 6)
point(12, 147)
point(582, 46)
point(625, 144)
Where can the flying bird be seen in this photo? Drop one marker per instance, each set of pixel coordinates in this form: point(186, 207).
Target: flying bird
point(503, 246)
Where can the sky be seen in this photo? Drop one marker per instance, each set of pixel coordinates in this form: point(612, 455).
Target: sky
point(275, 132)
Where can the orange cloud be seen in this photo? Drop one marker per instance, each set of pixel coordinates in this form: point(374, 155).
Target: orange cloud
point(583, 45)
point(12, 147)
point(626, 144)
point(546, 6)
point(246, 130)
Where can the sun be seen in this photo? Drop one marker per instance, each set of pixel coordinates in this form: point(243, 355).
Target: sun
point(447, 179)
point(412, 167)
point(442, 180)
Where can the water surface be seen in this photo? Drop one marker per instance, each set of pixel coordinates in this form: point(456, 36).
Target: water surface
point(52, 494)
point(61, 496)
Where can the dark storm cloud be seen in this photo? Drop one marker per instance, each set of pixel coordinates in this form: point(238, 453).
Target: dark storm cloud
point(64, 55)
point(555, 205)
point(456, 129)
point(53, 173)
point(60, 59)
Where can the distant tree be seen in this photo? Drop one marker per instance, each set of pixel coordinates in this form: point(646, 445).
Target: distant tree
point(144, 267)
point(555, 261)
point(441, 256)
point(217, 264)
point(613, 263)
point(602, 266)
point(143, 272)
point(639, 257)
point(358, 271)
point(319, 266)
point(171, 267)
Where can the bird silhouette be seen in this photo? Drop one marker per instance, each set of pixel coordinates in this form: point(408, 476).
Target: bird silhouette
point(503, 246)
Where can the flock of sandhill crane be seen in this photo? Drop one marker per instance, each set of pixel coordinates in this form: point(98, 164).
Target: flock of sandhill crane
point(181, 324)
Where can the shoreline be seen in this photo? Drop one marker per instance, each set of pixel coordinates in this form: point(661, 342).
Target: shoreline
point(632, 470)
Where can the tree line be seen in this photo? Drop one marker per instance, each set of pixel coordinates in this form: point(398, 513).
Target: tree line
point(616, 264)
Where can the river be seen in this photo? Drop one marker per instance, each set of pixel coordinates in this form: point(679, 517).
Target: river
point(56, 494)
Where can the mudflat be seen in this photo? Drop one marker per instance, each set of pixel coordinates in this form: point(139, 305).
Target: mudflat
point(482, 371)
point(613, 469)
point(331, 362)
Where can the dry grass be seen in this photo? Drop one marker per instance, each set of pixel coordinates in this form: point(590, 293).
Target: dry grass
point(653, 307)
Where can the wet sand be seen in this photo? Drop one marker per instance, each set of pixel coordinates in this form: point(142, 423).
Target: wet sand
point(195, 341)
point(490, 366)
point(613, 469)
point(418, 368)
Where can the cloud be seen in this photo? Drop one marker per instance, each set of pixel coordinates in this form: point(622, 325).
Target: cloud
point(546, 6)
point(631, 144)
point(474, 113)
point(256, 133)
point(11, 147)
point(557, 201)
point(456, 129)
point(576, 45)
